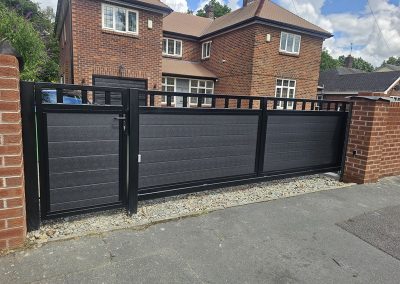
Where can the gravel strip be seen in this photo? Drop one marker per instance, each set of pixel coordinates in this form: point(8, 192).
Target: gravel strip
point(179, 206)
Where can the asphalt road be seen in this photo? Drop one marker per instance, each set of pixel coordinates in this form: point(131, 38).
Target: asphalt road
point(292, 240)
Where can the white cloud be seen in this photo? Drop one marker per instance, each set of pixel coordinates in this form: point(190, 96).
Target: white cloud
point(177, 5)
point(234, 4)
point(48, 3)
point(357, 28)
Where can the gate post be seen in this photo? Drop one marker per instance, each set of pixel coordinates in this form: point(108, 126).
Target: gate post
point(12, 188)
point(133, 179)
point(30, 155)
point(262, 132)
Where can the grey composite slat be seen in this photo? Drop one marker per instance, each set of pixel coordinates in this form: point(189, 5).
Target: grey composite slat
point(88, 163)
point(178, 148)
point(82, 178)
point(170, 143)
point(84, 203)
point(83, 148)
point(83, 152)
point(301, 141)
point(67, 194)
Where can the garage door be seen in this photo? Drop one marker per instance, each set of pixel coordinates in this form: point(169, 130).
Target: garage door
point(118, 82)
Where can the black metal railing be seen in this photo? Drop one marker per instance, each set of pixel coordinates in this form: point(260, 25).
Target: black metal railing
point(170, 99)
point(50, 93)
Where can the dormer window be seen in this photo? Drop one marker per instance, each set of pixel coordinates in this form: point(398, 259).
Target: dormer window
point(120, 19)
point(205, 50)
point(172, 47)
point(290, 43)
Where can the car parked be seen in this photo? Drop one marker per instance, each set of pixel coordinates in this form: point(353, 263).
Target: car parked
point(50, 97)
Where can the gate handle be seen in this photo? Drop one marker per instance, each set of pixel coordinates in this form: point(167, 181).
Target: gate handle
point(120, 118)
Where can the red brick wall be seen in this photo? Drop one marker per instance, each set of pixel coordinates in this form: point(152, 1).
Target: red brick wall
point(101, 52)
point(252, 65)
point(269, 64)
point(231, 59)
point(12, 199)
point(375, 136)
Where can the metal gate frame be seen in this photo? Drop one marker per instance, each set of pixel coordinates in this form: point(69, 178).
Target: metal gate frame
point(36, 146)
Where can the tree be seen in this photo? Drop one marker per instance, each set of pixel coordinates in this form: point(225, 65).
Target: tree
point(358, 63)
point(392, 60)
point(42, 21)
point(219, 9)
point(327, 61)
point(25, 39)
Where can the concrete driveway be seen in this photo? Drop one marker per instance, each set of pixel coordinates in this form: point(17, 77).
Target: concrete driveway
point(292, 240)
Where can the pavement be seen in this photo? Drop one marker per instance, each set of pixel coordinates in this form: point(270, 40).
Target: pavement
point(291, 240)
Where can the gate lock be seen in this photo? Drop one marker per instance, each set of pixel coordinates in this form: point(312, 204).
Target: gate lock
point(123, 118)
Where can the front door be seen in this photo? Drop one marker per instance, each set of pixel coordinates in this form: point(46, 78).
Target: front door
point(182, 86)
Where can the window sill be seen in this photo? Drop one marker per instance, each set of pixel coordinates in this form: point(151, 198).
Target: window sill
point(289, 54)
point(172, 56)
point(205, 58)
point(120, 33)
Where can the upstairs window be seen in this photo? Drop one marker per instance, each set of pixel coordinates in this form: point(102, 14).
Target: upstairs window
point(290, 43)
point(206, 50)
point(172, 47)
point(120, 19)
point(285, 89)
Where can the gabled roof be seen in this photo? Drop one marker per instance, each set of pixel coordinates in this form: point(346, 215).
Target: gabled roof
point(334, 82)
point(186, 69)
point(185, 24)
point(388, 67)
point(259, 10)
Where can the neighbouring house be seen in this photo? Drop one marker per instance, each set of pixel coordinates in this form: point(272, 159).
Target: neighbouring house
point(345, 81)
point(260, 49)
point(388, 68)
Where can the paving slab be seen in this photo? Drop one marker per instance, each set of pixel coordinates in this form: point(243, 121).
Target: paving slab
point(291, 240)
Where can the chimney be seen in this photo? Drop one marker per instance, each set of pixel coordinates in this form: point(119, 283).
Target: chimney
point(209, 9)
point(247, 2)
point(348, 61)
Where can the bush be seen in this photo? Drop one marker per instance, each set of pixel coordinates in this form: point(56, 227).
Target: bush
point(26, 40)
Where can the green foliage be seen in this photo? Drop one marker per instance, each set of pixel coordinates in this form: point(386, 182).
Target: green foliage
point(219, 9)
point(327, 61)
point(42, 20)
point(25, 39)
point(392, 60)
point(358, 63)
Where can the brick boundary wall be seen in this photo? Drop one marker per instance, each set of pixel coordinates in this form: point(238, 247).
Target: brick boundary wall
point(12, 192)
point(373, 149)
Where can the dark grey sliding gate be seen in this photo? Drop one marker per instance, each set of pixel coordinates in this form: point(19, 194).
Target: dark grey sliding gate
point(195, 147)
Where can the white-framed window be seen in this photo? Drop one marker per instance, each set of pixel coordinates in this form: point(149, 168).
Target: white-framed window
point(290, 43)
point(195, 86)
point(168, 85)
point(201, 87)
point(205, 49)
point(172, 47)
point(120, 19)
point(395, 98)
point(285, 88)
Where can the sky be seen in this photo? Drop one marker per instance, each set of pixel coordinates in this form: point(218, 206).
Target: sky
point(371, 26)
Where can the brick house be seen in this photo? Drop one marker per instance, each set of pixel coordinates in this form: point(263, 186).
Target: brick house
point(259, 49)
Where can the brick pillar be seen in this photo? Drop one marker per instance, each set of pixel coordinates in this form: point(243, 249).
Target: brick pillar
point(12, 199)
point(366, 139)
